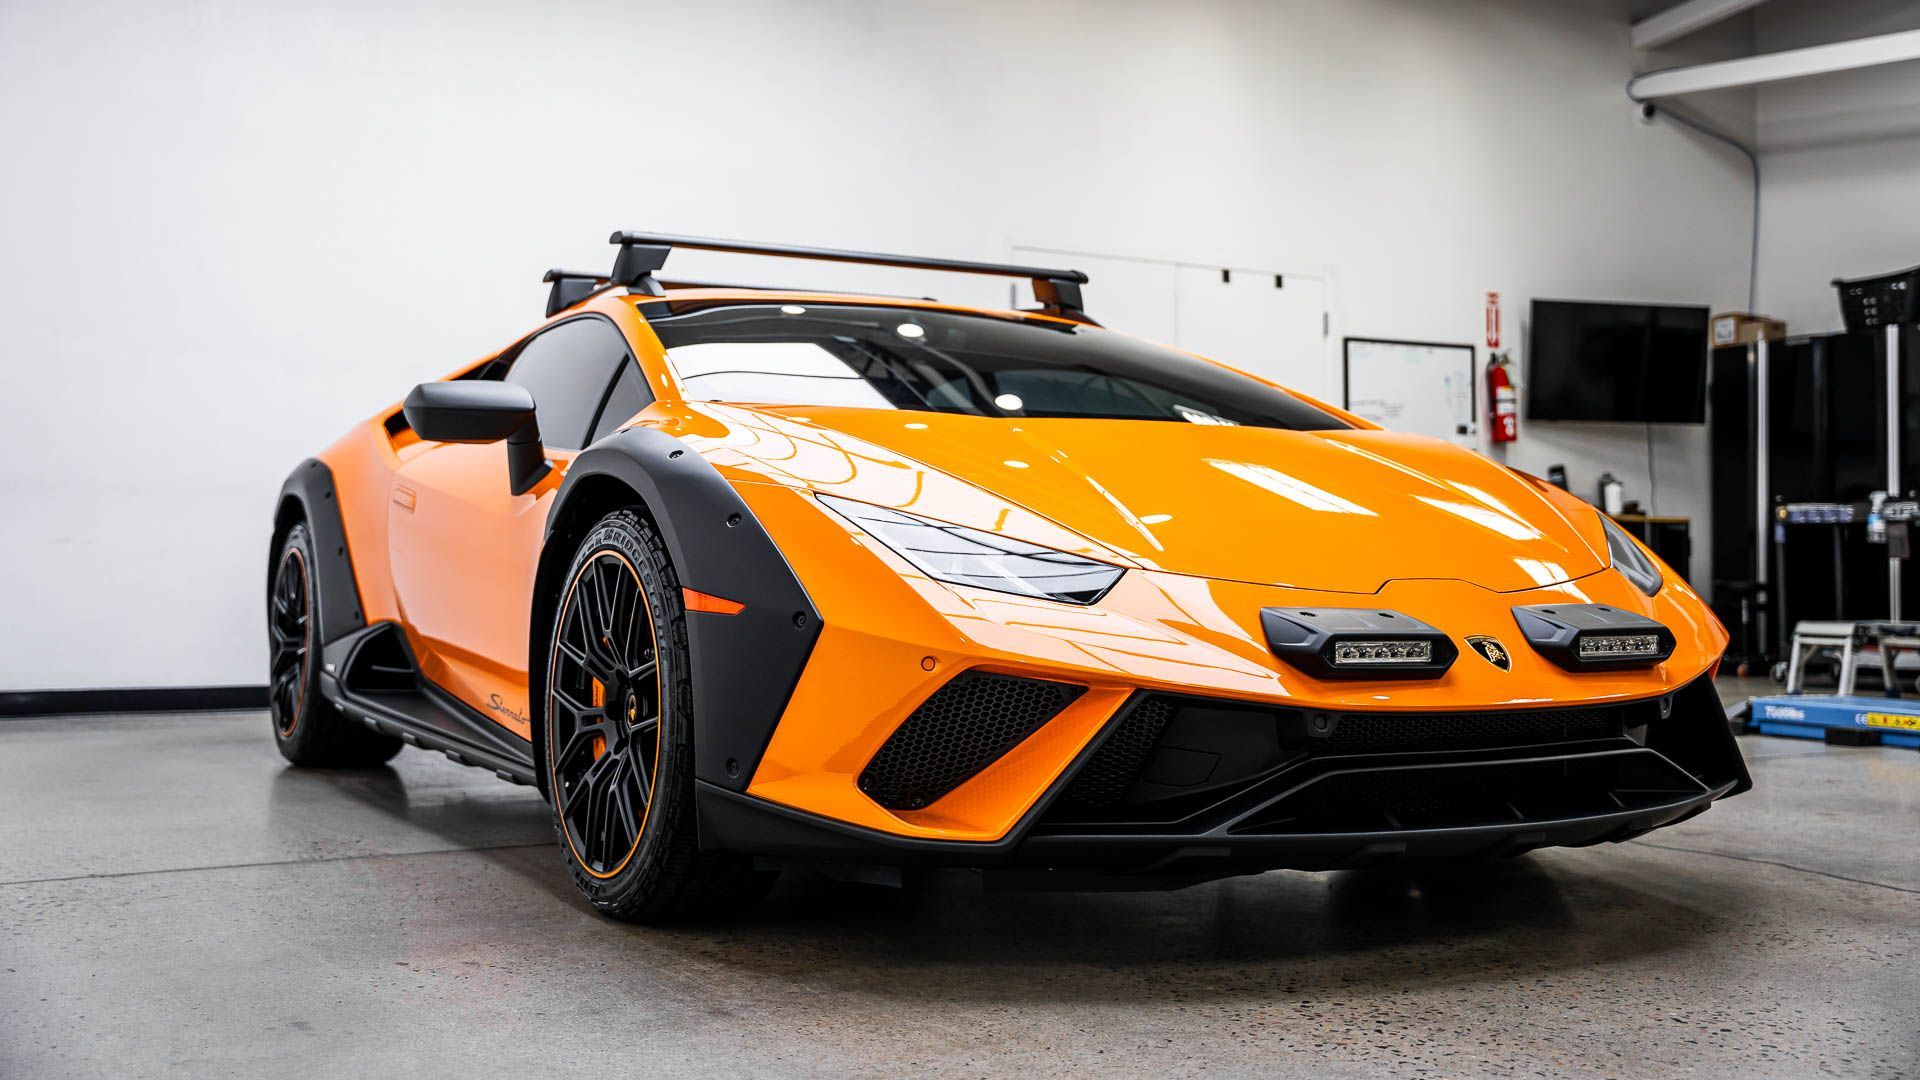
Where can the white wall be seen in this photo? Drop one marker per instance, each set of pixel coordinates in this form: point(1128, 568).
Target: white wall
point(1839, 163)
point(232, 229)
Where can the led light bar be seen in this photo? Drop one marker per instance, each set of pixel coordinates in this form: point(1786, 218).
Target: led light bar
point(1592, 637)
point(1357, 643)
point(1347, 653)
point(1618, 646)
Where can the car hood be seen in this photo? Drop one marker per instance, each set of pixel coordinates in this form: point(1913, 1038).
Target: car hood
point(1336, 511)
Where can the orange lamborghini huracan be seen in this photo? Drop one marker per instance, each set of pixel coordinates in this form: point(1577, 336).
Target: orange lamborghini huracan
point(741, 576)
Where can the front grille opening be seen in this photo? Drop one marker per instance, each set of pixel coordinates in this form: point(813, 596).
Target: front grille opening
point(1168, 756)
point(1392, 733)
point(1173, 755)
point(1476, 795)
point(966, 725)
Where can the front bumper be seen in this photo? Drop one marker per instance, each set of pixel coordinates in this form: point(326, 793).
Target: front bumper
point(1608, 776)
point(892, 639)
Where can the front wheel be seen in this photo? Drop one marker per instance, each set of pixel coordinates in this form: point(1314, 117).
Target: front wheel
point(619, 736)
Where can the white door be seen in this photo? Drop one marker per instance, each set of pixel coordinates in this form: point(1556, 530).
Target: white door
point(1271, 324)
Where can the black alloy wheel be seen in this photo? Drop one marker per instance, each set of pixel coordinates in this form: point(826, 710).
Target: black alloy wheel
point(289, 640)
point(604, 709)
point(308, 729)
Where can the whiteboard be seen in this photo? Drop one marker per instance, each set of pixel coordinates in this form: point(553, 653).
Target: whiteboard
point(1422, 387)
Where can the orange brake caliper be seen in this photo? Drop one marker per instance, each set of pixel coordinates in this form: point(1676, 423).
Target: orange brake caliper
point(599, 701)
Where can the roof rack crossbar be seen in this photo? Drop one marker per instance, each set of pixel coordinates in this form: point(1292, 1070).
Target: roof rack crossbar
point(697, 283)
point(643, 253)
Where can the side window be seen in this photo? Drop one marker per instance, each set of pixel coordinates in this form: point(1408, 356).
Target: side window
point(628, 396)
point(567, 369)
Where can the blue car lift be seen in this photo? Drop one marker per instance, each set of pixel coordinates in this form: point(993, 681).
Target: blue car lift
point(1851, 720)
point(1846, 718)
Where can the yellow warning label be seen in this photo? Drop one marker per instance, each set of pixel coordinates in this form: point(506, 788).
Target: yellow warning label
point(1892, 720)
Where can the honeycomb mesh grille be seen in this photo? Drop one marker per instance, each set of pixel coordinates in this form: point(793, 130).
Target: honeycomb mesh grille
point(1110, 774)
point(962, 728)
point(1385, 733)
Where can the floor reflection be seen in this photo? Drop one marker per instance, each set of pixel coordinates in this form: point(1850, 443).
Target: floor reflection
point(947, 935)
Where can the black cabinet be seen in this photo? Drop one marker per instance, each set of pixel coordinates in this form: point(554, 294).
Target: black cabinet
point(1825, 440)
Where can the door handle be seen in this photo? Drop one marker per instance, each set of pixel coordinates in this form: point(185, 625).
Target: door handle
point(403, 496)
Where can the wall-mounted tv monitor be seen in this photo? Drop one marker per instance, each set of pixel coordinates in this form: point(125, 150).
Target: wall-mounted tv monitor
point(1645, 363)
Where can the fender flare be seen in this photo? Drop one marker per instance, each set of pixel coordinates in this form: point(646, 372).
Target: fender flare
point(336, 591)
point(745, 665)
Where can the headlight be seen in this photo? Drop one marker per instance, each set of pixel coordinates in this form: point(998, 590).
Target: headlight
point(1629, 559)
point(962, 556)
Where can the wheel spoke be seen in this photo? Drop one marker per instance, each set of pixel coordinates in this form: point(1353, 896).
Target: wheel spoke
point(578, 796)
point(623, 805)
point(643, 772)
point(603, 768)
point(631, 641)
point(284, 691)
point(579, 711)
point(598, 619)
point(599, 803)
point(602, 615)
point(579, 743)
point(573, 653)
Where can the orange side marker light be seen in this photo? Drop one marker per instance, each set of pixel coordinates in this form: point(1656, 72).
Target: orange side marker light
point(696, 600)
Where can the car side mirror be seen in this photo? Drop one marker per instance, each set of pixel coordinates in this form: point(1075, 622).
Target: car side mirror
point(472, 411)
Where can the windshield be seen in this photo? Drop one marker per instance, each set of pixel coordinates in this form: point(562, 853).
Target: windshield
point(874, 357)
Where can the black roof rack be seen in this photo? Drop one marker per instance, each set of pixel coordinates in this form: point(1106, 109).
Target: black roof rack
point(570, 287)
point(641, 254)
point(696, 283)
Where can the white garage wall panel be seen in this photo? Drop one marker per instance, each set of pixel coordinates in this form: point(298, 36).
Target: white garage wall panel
point(1839, 161)
point(1261, 321)
point(232, 229)
point(1241, 318)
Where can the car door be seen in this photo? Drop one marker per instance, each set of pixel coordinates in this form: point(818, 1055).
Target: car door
point(465, 549)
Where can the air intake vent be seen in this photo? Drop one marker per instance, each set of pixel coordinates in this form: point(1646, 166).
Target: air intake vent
point(964, 727)
point(1110, 774)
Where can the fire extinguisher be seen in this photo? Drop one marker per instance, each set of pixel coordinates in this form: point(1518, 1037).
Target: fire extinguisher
point(1503, 404)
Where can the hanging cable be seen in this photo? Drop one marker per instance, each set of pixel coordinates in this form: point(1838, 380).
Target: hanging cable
point(1649, 110)
point(1653, 485)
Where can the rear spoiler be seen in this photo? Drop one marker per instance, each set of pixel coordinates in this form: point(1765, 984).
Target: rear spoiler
point(642, 254)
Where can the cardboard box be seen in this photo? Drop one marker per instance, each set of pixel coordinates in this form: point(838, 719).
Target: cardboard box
point(1740, 328)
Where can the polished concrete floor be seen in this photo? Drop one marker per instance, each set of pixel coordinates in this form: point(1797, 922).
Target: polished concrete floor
point(174, 901)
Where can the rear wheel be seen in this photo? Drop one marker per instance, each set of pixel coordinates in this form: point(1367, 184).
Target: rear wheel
point(619, 736)
point(306, 726)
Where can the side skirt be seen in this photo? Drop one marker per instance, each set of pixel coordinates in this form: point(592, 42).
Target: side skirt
point(370, 676)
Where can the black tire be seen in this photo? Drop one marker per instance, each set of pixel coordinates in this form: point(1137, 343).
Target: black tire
point(306, 726)
point(618, 750)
